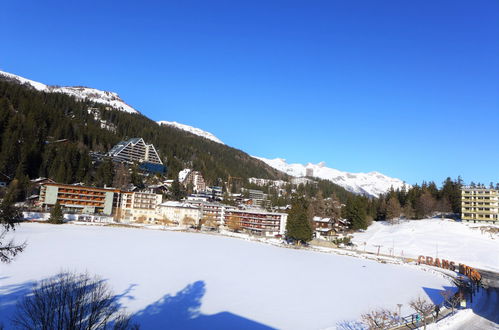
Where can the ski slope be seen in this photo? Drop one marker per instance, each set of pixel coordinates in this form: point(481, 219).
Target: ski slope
point(179, 280)
point(447, 239)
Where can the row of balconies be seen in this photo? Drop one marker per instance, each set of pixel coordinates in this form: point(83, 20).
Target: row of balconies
point(81, 199)
point(73, 202)
point(488, 211)
point(478, 217)
point(81, 192)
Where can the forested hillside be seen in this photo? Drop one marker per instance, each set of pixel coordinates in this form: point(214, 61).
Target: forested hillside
point(32, 123)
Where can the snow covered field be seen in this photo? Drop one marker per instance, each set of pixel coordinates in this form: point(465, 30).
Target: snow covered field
point(179, 280)
point(447, 239)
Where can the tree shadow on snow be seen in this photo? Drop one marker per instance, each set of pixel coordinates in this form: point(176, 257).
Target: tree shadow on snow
point(179, 311)
point(12, 294)
point(9, 296)
point(435, 295)
point(182, 311)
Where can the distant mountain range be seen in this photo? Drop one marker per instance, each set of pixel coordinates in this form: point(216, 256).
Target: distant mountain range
point(372, 183)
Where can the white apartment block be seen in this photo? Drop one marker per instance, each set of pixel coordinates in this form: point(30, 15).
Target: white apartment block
point(139, 206)
point(177, 212)
point(480, 204)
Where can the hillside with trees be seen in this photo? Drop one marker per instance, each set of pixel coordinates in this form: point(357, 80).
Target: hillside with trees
point(52, 135)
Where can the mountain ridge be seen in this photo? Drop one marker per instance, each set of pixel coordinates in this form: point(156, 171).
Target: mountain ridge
point(79, 92)
point(372, 183)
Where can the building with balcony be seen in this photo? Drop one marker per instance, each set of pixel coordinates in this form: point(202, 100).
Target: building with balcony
point(479, 204)
point(138, 206)
point(210, 210)
point(323, 227)
point(135, 151)
point(258, 222)
point(80, 199)
point(189, 177)
point(178, 212)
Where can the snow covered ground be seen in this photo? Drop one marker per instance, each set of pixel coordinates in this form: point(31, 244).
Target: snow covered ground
point(179, 280)
point(447, 239)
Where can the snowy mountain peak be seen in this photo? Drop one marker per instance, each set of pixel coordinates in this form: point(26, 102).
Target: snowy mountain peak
point(372, 183)
point(190, 129)
point(95, 95)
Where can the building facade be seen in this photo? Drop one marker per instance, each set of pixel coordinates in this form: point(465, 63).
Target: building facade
point(138, 206)
point(189, 177)
point(480, 204)
point(80, 199)
point(135, 150)
point(178, 212)
point(258, 222)
point(323, 227)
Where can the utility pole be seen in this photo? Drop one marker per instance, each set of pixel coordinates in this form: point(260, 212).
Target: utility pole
point(378, 246)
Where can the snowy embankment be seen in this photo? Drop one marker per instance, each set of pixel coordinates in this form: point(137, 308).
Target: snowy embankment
point(447, 239)
point(179, 280)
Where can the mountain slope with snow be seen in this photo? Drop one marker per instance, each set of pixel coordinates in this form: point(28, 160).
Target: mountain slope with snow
point(190, 129)
point(95, 95)
point(372, 183)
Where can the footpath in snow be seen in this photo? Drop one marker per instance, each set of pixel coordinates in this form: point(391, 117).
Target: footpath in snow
point(181, 280)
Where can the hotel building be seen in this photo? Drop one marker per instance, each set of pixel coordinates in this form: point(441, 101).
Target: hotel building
point(80, 199)
point(479, 204)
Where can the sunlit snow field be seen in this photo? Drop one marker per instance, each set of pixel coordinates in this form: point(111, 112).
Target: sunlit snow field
point(447, 239)
point(181, 280)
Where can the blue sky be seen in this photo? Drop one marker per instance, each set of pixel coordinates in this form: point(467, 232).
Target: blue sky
point(406, 88)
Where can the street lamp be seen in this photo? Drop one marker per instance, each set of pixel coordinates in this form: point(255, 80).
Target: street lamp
point(400, 315)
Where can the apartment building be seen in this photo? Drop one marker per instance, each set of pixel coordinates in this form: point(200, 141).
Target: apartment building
point(178, 212)
point(135, 150)
point(210, 210)
point(480, 204)
point(80, 199)
point(189, 177)
point(258, 222)
point(138, 206)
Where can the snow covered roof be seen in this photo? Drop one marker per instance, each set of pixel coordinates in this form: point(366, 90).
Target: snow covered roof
point(183, 174)
point(177, 204)
point(319, 219)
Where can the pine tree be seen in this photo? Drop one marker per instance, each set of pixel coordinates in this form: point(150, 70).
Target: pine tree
point(176, 190)
point(408, 210)
point(355, 212)
point(298, 226)
point(56, 216)
point(393, 209)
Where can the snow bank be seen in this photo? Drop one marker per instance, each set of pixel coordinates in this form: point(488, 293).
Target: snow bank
point(186, 280)
point(446, 239)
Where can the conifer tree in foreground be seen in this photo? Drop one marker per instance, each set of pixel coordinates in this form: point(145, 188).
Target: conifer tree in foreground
point(355, 212)
point(298, 226)
point(56, 216)
point(10, 216)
